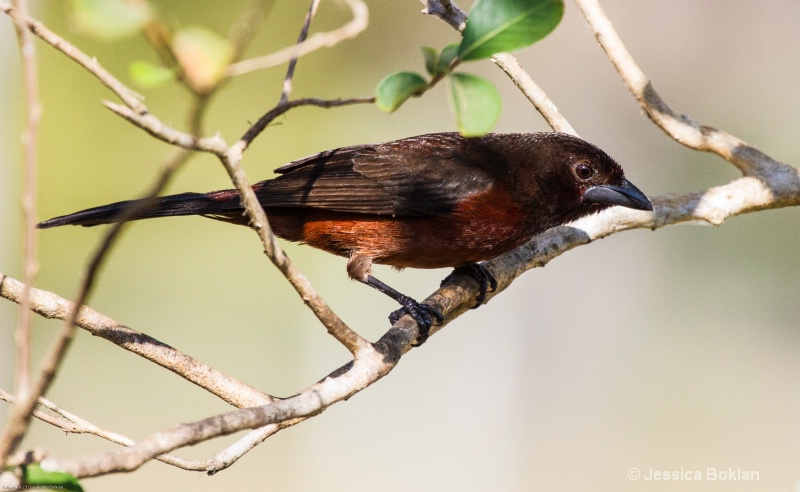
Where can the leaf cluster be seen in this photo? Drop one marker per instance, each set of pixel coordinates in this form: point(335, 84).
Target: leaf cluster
point(494, 26)
point(194, 54)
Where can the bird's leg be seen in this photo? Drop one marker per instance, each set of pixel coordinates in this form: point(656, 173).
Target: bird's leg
point(481, 274)
point(422, 313)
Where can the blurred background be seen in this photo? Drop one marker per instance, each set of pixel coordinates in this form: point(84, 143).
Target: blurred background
point(688, 359)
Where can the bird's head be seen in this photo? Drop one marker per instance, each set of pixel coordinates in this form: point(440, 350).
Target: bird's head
point(572, 177)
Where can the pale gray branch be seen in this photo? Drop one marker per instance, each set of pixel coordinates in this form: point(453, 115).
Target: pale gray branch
point(128, 96)
point(69, 422)
point(52, 306)
point(681, 128)
point(319, 40)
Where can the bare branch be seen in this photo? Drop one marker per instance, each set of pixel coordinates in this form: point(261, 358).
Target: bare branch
point(244, 28)
point(152, 125)
point(543, 104)
point(680, 127)
point(69, 422)
point(27, 51)
point(280, 109)
point(287, 80)
point(315, 42)
point(310, 402)
point(447, 11)
point(52, 306)
point(129, 97)
point(22, 411)
point(258, 221)
point(19, 418)
point(61, 423)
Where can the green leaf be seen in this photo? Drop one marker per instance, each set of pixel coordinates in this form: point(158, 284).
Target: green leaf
point(150, 75)
point(449, 53)
point(476, 103)
point(437, 63)
point(203, 55)
point(431, 59)
point(110, 19)
point(35, 475)
point(393, 90)
point(495, 26)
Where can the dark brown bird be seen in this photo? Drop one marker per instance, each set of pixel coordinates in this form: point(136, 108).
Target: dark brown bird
point(431, 201)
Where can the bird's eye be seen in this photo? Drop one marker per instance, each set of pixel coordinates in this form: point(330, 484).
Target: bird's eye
point(582, 171)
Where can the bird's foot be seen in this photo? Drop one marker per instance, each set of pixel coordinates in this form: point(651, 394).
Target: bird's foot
point(481, 274)
point(423, 314)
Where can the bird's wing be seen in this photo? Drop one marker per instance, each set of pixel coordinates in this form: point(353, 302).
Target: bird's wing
point(424, 175)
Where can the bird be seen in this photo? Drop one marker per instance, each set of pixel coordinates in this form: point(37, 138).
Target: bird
point(438, 200)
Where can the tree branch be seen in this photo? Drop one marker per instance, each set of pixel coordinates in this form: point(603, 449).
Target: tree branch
point(52, 306)
point(319, 40)
point(681, 128)
point(27, 51)
point(287, 80)
point(128, 96)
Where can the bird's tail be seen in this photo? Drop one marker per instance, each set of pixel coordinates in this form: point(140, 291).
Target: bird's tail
point(182, 204)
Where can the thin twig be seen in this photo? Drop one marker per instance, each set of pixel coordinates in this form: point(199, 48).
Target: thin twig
point(318, 40)
point(446, 11)
point(287, 80)
point(244, 29)
point(69, 422)
point(310, 402)
point(22, 412)
point(27, 51)
point(681, 128)
point(128, 96)
point(258, 221)
point(19, 419)
point(273, 113)
point(52, 306)
point(543, 104)
point(155, 127)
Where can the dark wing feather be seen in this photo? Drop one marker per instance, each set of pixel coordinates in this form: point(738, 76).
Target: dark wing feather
point(424, 175)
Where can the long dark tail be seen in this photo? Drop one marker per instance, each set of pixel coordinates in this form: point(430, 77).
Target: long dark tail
point(223, 205)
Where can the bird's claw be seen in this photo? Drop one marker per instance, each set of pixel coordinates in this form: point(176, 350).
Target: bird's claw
point(481, 274)
point(423, 314)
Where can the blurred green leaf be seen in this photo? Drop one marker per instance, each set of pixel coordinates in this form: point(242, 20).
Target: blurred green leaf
point(110, 19)
point(150, 75)
point(431, 59)
point(393, 90)
point(449, 53)
point(495, 26)
point(203, 55)
point(437, 63)
point(35, 475)
point(475, 102)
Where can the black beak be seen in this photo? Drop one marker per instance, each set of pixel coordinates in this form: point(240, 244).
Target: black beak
point(625, 195)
